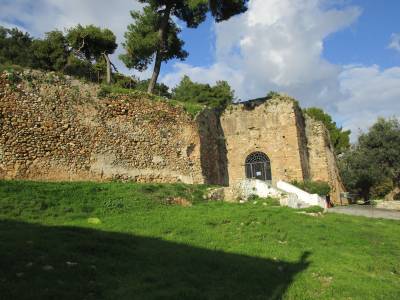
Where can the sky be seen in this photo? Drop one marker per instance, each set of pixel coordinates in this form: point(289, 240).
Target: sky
point(340, 55)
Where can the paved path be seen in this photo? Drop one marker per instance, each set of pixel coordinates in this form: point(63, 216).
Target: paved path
point(366, 211)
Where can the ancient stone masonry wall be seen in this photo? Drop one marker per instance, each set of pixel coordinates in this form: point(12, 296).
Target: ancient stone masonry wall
point(322, 158)
point(270, 127)
point(302, 140)
point(57, 129)
point(212, 148)
point(298, 147)
point(54, 128)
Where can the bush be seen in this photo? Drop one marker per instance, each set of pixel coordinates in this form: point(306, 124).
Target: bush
point(105, 90)
point(381, 189)
point(321, 188)
point(218, 96)
point(124, 82)
point(12, 77)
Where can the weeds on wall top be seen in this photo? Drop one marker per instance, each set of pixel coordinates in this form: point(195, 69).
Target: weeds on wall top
point(110, 91)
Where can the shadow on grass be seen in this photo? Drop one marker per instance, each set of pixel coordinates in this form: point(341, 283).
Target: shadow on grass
point(42, 262)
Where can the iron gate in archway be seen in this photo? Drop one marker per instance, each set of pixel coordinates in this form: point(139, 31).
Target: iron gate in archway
point(258, 166)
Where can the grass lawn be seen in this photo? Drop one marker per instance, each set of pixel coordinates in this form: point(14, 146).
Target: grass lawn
point(124, 241)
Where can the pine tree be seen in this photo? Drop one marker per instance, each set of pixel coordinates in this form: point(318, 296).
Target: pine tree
point(154, 35)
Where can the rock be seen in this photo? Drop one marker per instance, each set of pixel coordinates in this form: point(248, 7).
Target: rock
point(214, 194)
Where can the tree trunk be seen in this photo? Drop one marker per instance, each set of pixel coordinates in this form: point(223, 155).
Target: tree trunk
point(162, 48)
point(156, 72)
point(108, 68)
point(392, 194)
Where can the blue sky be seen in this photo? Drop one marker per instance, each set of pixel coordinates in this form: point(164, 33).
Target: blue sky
point(364, 42)
point(367, 39)
point(340, 55)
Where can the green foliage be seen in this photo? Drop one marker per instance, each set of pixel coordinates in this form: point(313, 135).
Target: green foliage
point(124, 81)
point(82, 53)
point(91, 42)
point(11, 68)
point(340, 139)
point(12, 77)
point(223, 10)
point(142, 249)
point(109, 90)
point(217, 96)
point(357, 171)
point(269, 201)
point(142, 40)
point(87, 199)
point(153, 36)
point(80, 68)
point(382, 143)
point(272, 94)
point(191, 108)
point(105, 90)
point(321, 188)
point(51, 53)
point(160, 89)
point(381, 188)
point(15, 47)
point(374, 159)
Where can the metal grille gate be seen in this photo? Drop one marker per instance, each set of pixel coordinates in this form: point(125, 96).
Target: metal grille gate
point(258, 166)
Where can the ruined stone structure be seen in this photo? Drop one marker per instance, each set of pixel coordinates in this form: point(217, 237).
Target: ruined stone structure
point(54, 128)
point(293, 146)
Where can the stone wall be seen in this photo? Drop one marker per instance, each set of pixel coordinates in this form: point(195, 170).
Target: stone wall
point(298, 147)
point(212, 148)
point(57, 129)
point(322, 159)
point(271, 128)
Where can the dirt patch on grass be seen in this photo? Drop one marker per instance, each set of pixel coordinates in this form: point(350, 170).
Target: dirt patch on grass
point(178, 201)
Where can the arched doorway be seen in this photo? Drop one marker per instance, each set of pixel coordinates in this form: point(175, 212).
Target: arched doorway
point(258, 166)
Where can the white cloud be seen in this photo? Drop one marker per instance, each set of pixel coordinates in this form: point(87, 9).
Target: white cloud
point(395, 42)
point(370, 93)
point(278, 45)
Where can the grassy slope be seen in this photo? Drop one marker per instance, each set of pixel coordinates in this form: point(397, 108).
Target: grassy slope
point(144, 249)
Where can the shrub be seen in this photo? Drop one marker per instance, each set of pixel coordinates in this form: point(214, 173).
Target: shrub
point(381, 189)
point(105, 90)
point(321, 188)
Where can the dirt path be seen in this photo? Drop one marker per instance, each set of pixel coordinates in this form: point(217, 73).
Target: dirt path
point(366, 211)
